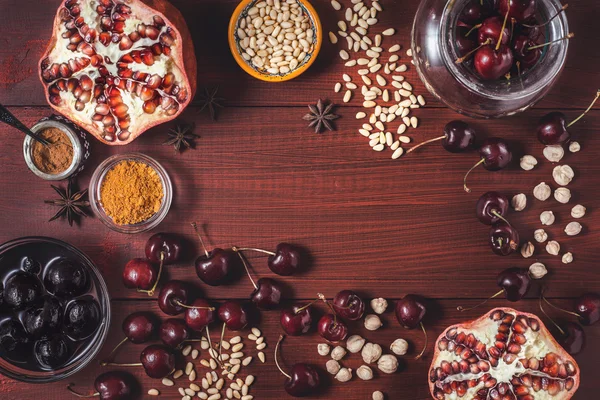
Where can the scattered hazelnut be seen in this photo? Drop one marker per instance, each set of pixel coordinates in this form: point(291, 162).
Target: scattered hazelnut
point(364, 372)
point(552, 247)
point(388, 364)
point(527, 250)
point(563, 174)
point(323, 349)
point(355, 343)
point(540, 235)
point(578, 211)
point(379, 305)
point(372, 322)
point(554, 153)
point(528, 162)
point(377, 395)
point(338, 353)
point(519, 202)
point(371, 353)
point(537, 270)
point(542, 191)
point(547, 218)
point(573, 228)
point(344, 374)
point(567, 258)
point(399, 347)
point(562, 195)
point(332, 367)
point(574, 147)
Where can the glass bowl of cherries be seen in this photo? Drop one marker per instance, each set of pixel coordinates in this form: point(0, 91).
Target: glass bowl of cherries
point(54, 310)
point(490, 58)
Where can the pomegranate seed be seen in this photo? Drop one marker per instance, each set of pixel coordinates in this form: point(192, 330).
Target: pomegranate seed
point(102, 109)
point(85, 96)
point(169, 79)
point(79, 106)
point(125, 43)
point(149, 107)
point(119, 26)
point(134, 36)
point(121, 110)
point(108, 120)
point(156, 49)
point(152, 32)
point(173, 110)
point(166, 50)
point(147, 93)
point(104, 38)
point(124, 123)
point(166, 39)
point(182, 95)
point(147, 57)
point(154, 81)
point(158, 21)
point(124, 135)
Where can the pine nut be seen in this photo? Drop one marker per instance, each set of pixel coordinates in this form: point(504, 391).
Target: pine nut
point(238, 339)
point(388, 32)
point(192, 376)
point(346, 99)
point(261, 357)
point(177, 374)
point(167, 382)
point(336, 6)
point(338, 87)
point(397, 153)
point(153, 392)
point(186, 350)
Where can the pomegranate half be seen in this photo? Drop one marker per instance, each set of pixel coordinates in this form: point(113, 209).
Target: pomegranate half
point(504, 355)
point(119, 67)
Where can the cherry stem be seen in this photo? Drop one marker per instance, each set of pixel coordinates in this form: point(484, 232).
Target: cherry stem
point(502, 30)
point(193, 307)
point(324, 299)
point(110, 356)
point(210, 346)
point(560, 309)
point(461, 308)
point(277, 362)
point(569, 36)
point(467, 174)
point(550, 20)
point(304, 307)
point(466, 56)
point(497, 214)
point(547, 316)
point(112, 364)
point(238, 251)
point(472, 29)
point(257, 250)
point(83, 396)
point(425, 345)
point(221, 341)
point(587, 110)
point(200, 237)
point(160, 269)
point(424, 143)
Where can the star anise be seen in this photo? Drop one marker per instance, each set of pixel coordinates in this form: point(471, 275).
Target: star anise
point(181, 137)
point(321, 116)
point(211, 102)
point(71, 203)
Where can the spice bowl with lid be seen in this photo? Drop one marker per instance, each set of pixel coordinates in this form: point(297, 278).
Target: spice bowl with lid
point(275, 40)
point(130, 193)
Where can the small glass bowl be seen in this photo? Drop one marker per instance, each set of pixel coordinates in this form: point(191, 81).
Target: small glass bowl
point(96, 184)
point(93, 348)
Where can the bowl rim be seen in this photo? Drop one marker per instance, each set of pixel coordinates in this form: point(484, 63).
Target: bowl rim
point(96, 183)
point(313, 15)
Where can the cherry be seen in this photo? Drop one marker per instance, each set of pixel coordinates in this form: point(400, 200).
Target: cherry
point(173, 332)
point(113, 385)
point(515, 283)
point(138, 327)
point(199, 317)
point(267, 291)
point(285, 261)
point(571, 335)
point(66, 278)
point(304, 379)
point(525, 51)
point(464, 43)
point(234, 314)
point(588, 308)
point(13, 337)
point(349, 305)
point(51, 353)
point(173, 297)
point(495, 154)
point(295, 320)
point(492, 64)
point(22, 290)
point(332, 329)
point(552, 128)
point(520, 10)
point(504, 239)
point(494, 29)
point(473, 12)
point(158, 361)
point(410, 311)
point(44, 320)
point(164, 246)
point(458, 137)
point(82, 318)
point(491, 208)
point(140, 274)
point(216, 266)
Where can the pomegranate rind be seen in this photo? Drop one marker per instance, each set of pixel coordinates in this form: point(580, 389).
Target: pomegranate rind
point(550, 343)
point(183, 57)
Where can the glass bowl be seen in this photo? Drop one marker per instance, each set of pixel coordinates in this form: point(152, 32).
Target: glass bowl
point(99, 291)
point(96, 184)
point(434, 55)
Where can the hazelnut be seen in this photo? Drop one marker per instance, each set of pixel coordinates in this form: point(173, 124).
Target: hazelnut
point(540, 235)
point(578, 211)
point(528, 162)
point(372, 322)
point(332, 367)
point(542, 191)
point(537, 270)
point(344, 374)
point(338, 353)
point(323, 349)
point(379, 305)
point(355, 343)
point(519, 202)
point(371, 353)
point(574, 147)
point(547, 218)
point(527, 250)
point(554, 153)
point(388, 364)
point(364, 372)
point(399, 347)
point(552, 247)
point(573, 228)
point(377, 395)
point(567, 258)
point(562, 195)
point(563, 174)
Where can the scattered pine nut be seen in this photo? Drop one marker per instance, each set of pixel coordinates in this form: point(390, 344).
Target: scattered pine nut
point(167, 382)
point(261, 357)
point(186, 350)
point(153, 392)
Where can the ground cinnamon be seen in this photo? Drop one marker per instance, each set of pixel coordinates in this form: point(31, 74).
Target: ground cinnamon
point(131, 192)
point(57, 156)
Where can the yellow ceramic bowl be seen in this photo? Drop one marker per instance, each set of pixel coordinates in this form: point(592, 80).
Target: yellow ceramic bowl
point(241, 11)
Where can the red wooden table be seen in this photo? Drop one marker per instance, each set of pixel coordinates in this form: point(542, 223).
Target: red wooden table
point(381, 227)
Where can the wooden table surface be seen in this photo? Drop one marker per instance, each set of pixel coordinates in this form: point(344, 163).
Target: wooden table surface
point(381, 227)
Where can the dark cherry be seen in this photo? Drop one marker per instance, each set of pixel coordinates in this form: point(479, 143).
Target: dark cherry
point(173, 296)
point(458, 137)
point(520, 10)
point(167, 245)
point(199, 318)
point(139, 327)
point(22, 290)
point(267, 294)
point(173, 332)
point(31, 265)
point(349, 305)
point(572, 337)
point(473, 12)
point(495, 154)
point(588, 308)
point(552, 129)
point(464, 43)
point(515, 283)
point(44, 320)
point(140, 273)
point(526, 56)
point(287, 259)
point(51, 353)
point(13, 337)
point(158, 361)
point(303, 380)
point(504, 238)
point(215, 267)
point(66, 278)
point(332, 328)
point(492, 64)
point(113, 385)
point(234, 314)
point(82, 318)
point(491, 28)
point(296, 320)
point(491, 207)
point(410, 311)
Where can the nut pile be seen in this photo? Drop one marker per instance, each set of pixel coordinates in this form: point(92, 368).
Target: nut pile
point(386, 95)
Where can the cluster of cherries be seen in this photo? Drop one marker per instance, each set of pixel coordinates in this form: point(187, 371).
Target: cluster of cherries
point(502, 36)
point(491, 209)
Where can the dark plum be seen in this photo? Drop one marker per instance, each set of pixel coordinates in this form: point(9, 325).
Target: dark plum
point(44, 320)
point(82, 318)
point(22, 290)
point(31, 265)
point(12, 336)
point(52, 353)
point(66, 278)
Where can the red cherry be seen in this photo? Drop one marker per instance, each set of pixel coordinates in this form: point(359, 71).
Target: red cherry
point(234, 314)
point(140, 274)
point(304, 379)
point(113, 385)
point(165, 246)
point(493, 28)
point(202, 316)
point(520, 10)
point(349, 305)
point(332, 328)
point(173, 332)
point(138, 327)
point(296, 320)
point(492, 64)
